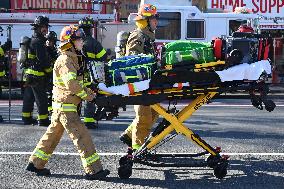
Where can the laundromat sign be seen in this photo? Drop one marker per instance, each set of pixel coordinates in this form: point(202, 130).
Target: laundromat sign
point(68, 6)
point(271, 10)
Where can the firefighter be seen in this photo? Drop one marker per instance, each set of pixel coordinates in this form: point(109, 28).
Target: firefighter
point(3, 49)
point(141, 40)
point(36, 69)
point(93, 52)
point(68, 92)
point(53, 55)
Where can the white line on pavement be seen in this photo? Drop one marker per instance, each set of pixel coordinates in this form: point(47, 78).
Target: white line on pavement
point(208, 105)
point(121, 154)
point(230, 105)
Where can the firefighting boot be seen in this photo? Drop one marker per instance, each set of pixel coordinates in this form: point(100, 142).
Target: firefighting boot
point(39, 172)
point(44, 122)
point(29, 121)
point(126, 139)
point(101, 175)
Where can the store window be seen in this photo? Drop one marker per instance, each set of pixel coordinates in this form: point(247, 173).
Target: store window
point(195, 29)
point(169, 27)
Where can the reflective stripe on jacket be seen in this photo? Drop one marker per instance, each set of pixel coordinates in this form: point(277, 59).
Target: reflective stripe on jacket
point(68, 86)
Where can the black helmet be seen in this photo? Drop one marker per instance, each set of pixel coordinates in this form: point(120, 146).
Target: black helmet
point(41, 21)
point(86, 22)
point(51, 35)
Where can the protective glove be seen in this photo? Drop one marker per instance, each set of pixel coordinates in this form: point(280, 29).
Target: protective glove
point(90, 95)
point(7, 46)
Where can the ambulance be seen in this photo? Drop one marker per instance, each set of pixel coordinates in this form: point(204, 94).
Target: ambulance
point(183, 23)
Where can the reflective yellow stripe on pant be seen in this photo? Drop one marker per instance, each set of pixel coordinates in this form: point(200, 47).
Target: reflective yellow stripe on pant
point(69, 121)
point(64, 107)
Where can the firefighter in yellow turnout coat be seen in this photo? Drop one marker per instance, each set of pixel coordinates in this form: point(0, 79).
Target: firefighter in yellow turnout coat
point(68, 92)
point(141, 40)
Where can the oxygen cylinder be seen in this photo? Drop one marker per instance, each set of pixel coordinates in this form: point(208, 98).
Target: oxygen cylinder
point(23, 50)
point(121, 41)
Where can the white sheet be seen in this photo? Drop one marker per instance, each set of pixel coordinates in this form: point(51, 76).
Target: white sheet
point(245, 71)
point(124, 89)
point(239, 72)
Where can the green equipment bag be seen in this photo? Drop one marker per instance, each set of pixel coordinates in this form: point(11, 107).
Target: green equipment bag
point(187, 52)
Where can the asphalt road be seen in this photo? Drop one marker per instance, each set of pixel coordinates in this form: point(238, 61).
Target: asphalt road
point(254, 139)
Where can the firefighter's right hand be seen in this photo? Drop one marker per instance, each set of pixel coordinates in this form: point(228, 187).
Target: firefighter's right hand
point(7, 46)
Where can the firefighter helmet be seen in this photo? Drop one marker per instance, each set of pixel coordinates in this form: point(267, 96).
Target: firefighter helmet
point(52, 36)
point(147, 11)
point(69, 33)
point(41, 21)
point(86, 22)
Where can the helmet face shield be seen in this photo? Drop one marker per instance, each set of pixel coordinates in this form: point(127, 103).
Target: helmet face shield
point(79, 33)
point(70, 33)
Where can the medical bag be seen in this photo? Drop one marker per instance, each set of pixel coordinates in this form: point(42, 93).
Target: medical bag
point(130, 69)
point(186, 53)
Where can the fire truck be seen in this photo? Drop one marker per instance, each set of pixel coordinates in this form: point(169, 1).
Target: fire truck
point(17, 23)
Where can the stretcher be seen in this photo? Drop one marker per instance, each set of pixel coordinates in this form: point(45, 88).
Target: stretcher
point(173, 86)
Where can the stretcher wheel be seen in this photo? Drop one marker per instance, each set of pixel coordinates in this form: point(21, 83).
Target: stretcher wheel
point(212, 161)
point(269, 105)
point(125, 171)
point(125, 160)
point(257, 102)
point(220, 171)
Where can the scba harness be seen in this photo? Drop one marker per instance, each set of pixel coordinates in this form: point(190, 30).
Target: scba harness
point(122, 38)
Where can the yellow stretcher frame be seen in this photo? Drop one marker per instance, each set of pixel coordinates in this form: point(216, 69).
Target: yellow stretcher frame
point(176, 122)
point(215, 160)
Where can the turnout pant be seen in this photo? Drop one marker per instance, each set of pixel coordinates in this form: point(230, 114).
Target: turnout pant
point(141, 126)
point(69, 121)
point(89, 113)
point(35, 94)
